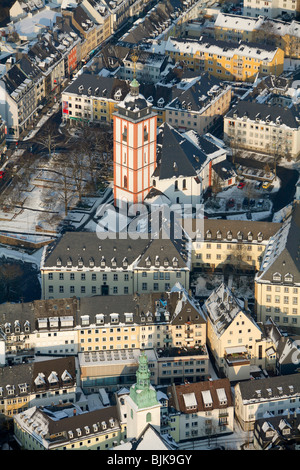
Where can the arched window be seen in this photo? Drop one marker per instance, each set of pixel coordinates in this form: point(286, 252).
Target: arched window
point(176, 185)
point(125, 181)
point(148, 418)
point(184, 184)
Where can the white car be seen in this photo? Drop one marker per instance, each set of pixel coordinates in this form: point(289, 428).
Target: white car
point(49, 113)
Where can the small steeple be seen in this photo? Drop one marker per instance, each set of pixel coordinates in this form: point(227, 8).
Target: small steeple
point(134, 87)
point(142, 392)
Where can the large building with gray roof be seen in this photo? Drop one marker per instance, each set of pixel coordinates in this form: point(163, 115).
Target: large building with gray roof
point(83, 264)
point(256, 126)
point(277, 283)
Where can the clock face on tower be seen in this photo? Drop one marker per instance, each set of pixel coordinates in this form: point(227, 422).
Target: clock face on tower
point(135, 129)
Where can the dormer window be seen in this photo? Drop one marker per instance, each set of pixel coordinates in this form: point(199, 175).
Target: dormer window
point(58, 262)
point(250, 236)
point(113, 262)
point(260, 237)
point(102, 263)
point(125, 263)
point(99, 319)
point(219, 234)
point(208, 234)
point(288, 277)
point(92, 262)
point(229, 235)
point(148, 262)
point(85, 320)
point(69, 262)
point(240, 236)
point(80, 262)
point(276, 277)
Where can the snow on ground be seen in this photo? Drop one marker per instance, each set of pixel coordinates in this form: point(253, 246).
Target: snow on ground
point(262, 209)
point(10, 253)
point(205, 283)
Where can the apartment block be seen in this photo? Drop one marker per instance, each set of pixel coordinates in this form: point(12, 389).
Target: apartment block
point(256, 126)
point(218, 244)
point(271, 8)
point(33, 384)
point(201, 410)
point(91, 98)
point(66, 427)
point(259, 29)
point(277, 281)
point(233, 337)
point(226, 60)
point(273, 395)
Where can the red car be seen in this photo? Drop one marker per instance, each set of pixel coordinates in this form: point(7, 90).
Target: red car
point(241, 185)
point(2, 173)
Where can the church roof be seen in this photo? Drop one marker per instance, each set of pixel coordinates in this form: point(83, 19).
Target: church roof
point(177, 155)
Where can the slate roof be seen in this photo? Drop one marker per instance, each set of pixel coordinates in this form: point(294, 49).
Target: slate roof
point(249, 388)
point(283, 253)
point(253, 110)
point(177, 303)
point(13, 78)
point(105, 87)
point(196, 96)
point(266, 229)
point(87, 246)
point(27, 373)
point(177, 156)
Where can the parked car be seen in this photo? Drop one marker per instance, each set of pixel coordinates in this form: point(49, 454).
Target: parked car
point(260, 203)
point(252, 202)
point(2, 173)
point(245, 201)
point(258, 185)
point(241, 185)
point(230, 202)
point(266, 184)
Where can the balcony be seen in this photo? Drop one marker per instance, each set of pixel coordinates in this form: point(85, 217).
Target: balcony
point(237, 356)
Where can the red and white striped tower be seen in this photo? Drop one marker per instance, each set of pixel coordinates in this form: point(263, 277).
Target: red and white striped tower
point(135, 128)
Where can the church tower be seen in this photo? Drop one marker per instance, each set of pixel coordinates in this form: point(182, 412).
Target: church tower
point(143, 407)
point(135, 129)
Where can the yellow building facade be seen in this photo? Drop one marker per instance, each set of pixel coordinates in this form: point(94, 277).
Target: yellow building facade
point(227, 61)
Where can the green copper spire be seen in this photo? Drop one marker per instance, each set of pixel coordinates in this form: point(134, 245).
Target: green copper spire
point(142, 393)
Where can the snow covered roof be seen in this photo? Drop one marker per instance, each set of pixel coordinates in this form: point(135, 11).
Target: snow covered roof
point(227, 49)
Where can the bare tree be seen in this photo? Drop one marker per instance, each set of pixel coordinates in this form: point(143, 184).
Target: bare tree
point(48, 138)
point(64, 184)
